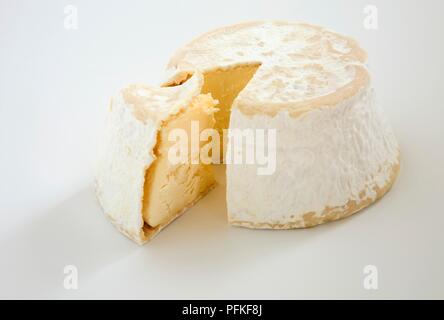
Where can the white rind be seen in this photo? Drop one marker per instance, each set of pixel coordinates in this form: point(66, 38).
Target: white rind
point(125, 156)
point(326, 158)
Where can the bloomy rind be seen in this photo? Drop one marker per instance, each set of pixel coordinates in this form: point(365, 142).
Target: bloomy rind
point(329, 163)
point(310, 219)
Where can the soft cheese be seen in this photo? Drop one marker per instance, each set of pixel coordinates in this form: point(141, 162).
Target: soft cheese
point(336, 152)
point(138, 187)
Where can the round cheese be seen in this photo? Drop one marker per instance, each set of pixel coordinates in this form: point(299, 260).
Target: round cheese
point(335, 152)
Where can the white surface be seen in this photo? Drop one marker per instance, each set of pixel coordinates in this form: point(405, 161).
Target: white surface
point(54, 88)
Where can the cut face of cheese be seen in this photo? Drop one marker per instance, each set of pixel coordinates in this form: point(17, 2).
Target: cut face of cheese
point(172, 187)
point(225, 85)
point(335, 152)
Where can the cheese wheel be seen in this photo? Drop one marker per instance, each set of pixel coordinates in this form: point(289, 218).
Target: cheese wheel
point(335, 151)
point(304, 93)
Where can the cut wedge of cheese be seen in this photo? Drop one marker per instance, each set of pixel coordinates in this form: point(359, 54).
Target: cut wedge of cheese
point(139, 188)
point(335, 152)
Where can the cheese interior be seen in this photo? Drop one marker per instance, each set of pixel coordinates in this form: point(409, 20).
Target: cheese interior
point(224, 86)
point(170, 188)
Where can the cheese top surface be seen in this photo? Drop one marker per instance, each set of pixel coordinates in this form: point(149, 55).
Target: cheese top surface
point(158, 103)
point(301, 66)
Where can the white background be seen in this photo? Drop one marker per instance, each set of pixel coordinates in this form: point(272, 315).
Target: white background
point(54, 89)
